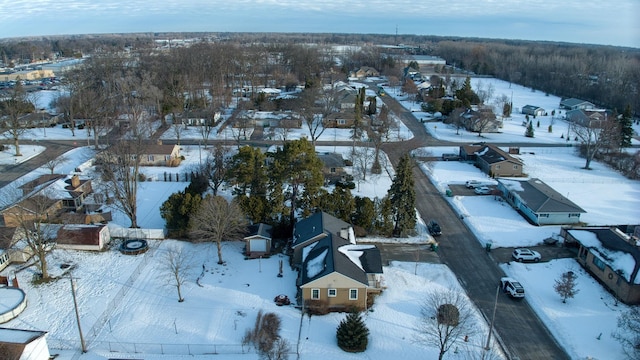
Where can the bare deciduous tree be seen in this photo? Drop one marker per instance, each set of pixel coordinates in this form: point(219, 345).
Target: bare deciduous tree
point(446, 316)
point(628, 332)
point(52, 161)
point(218, 220)
point(215, 167)
point(593, 135)
point(12, 110)
point(565, 286)
point(176, 266)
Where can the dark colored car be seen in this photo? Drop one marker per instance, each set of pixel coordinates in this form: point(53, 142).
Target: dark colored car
point(434, 228)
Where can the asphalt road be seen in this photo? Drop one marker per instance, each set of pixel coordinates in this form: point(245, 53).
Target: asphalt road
point(517, 328)
point(10, 173)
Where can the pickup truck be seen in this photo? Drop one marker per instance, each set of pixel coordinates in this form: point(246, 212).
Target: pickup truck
point(512, 287)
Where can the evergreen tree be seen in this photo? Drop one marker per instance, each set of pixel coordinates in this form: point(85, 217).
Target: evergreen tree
point(364, 214)
point(626, 128)
point(384, 217)
point(176, 211)
point(297, 166)
point(529, 131)
point(403, 198)
point(352, 334)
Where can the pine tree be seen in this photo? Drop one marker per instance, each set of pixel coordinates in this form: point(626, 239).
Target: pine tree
point(352, 334)
point(529, 131)
point(626, 128)
point(403, 198)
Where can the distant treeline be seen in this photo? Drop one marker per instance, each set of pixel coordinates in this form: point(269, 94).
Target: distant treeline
point(605, 75)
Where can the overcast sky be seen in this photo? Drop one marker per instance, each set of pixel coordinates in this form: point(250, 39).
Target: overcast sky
point(577, 21)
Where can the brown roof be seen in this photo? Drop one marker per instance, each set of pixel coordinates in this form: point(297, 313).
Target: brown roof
point(80, 234)
point(157, 149)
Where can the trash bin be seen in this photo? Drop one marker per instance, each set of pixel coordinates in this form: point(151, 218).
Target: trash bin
point(434, 247)
point(449, 193)
point(487, 246)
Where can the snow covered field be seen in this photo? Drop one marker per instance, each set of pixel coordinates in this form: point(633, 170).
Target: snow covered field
point(126, 306)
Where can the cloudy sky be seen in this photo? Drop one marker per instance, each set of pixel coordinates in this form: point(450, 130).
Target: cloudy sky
point(579, 21)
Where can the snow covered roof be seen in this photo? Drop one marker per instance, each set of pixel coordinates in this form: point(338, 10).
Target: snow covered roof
point(613, 248)
point(19, 336)
point(338, 252)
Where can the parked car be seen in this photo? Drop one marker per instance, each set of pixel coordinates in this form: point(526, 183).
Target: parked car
point(526, 255)
point(512, 287)
point(434, 228)
point(482, 190)
point(471, 184)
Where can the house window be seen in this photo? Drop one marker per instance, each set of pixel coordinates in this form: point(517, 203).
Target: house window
point(497, 167)
point(544, 215)
point(315, 294)
point(515, 167)
point(353, 294)
point(167, 157)
point(150, 158)
point(583, 253)
point(332, 292)
point(574, 215)
point(333, 170)
point(342, 121)
point(598, 263)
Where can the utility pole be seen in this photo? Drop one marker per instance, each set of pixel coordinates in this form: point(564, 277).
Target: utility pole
point(493, 317)
point(75, 306)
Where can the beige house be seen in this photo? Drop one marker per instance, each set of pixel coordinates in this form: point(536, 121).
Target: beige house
point(492, 160)
point(161, 155)
point(605, 253)
point(334, 272)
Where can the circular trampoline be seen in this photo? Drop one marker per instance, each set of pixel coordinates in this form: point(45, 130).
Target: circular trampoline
point(134, 247)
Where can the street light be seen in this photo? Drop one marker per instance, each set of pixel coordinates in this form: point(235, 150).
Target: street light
point(493, 317)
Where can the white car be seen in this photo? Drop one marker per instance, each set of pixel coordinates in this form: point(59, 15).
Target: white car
point(526, 255)
point(482, 190)
point(512, 287)
point(471, 184)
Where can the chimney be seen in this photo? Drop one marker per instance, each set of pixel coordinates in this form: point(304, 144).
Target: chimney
point(75, 181)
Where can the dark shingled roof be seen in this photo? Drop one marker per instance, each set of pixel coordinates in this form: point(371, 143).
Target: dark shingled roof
point(260, 229)
point(332, 248)
point(493, 154)
point(541, 198)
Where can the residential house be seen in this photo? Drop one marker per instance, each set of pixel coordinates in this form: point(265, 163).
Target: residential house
point(24, 344)
point(48, 197)
point(539, 203)
point(198, 118)
point(258, 241)
point(346, 97)
point(492, 160)
point(11, 251)
point(365, 71)
point(83, 237)
point(586, 117)
point(574, 104)
point(341, 120)
point(160, 155)
point(533, 110)
point(333, 167)
point(334, 272)
point(610, 255)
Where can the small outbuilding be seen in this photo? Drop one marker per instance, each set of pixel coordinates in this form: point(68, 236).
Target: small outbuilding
point(258, 242)
point(83, 237)
point(23, 344)
point(533, 110)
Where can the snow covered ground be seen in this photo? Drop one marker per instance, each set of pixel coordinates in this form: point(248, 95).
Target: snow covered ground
point(125, 304)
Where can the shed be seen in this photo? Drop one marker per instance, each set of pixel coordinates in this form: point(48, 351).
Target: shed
point(533, 110)
point(258, 242)
point(83, 237)
point(23, 344)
